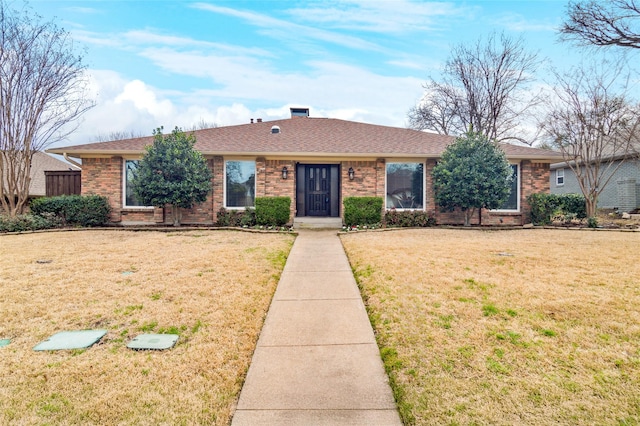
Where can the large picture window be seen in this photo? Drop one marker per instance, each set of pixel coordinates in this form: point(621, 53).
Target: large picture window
point(405, 186)
point(130, 199)
point(240, 179)
point(513, 202)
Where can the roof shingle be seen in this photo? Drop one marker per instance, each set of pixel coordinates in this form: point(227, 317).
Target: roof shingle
point(309, 137)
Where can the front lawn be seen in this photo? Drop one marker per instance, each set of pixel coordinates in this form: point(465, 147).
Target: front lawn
point(213, 288)
point(538, 327)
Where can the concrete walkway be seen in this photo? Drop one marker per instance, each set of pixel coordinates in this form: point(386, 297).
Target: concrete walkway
point(316, 362)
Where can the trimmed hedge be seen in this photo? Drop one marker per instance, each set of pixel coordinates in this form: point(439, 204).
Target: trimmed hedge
point(362, 210)
point(408, 219)
point(546, 206)
point(273, 211)
point(74, 210)
point(25, 222)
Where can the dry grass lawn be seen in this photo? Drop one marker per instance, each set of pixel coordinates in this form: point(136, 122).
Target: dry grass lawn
point(211, 287)
point(534, 327)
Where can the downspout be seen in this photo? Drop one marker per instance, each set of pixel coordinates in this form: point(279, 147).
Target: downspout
point(75, 163)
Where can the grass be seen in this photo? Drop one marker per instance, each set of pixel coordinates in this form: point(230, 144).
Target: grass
point(547, 335)
point(211, 288)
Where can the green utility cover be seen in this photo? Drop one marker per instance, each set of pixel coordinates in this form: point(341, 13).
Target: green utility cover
point(70, 340)
point(153, 341)
point(4, 342)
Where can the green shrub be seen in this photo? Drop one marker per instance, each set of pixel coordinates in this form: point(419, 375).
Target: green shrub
point(242, 218)
point(408, 219)
point(545, 207)
point(362, 210)
point(272, 211)
point(75, 210)
point(25, 222)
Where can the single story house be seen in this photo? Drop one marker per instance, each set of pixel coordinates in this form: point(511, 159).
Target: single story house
point(622, 193)
point(317, 162)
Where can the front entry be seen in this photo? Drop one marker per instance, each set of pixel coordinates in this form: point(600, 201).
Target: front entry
point(317, 191)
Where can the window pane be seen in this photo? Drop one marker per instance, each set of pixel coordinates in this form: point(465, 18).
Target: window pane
point(512, 201)
point(405, 185)
point(130, 199)
point(241, 183)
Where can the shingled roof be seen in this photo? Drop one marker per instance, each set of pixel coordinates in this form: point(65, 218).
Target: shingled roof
point(309, 137)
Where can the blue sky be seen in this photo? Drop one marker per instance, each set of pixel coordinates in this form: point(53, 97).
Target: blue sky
point(176, 63)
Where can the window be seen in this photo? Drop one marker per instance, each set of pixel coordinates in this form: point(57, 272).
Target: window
point(559, 177)
point(513, 202)
point(405, 186)
point(130, 199)
point(240, 190)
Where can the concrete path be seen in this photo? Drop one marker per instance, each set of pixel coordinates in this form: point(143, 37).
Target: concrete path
point(316, 362)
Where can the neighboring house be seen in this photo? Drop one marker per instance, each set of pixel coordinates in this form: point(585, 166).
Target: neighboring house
point(317, 162)
point(41, 164)
point(621, 193)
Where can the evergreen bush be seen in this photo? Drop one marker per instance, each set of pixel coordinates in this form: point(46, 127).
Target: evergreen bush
point(362, 210)
point(544, 207)
point(408, 219)
point(236, 218)
point(25, 222)
point(273, 211)
point(74, 210)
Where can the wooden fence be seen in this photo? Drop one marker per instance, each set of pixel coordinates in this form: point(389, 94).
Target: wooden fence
point(62, 182)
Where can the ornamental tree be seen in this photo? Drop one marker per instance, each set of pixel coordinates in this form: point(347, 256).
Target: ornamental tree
point(43, 93)
point(473, 173)
point(172, 172)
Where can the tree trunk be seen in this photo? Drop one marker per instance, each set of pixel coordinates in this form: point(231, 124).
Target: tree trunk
point(176, 214)
point(591, 206)
point(467, 214)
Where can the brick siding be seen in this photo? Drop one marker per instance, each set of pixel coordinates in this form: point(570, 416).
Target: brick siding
point(104, 176)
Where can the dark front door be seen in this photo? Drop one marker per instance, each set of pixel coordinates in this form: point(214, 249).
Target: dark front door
point(318, 185)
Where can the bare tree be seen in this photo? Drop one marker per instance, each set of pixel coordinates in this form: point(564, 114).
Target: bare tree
point(482, 88)
point(119, 135)
point(594, 125)
point(603, 23)
point(203, 124)
point(42, 93)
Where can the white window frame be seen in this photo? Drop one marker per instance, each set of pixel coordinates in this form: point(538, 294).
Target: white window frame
point(224, 182)
point(519, 189)
point(124, 186)
point(424, 183)
point(559, 177)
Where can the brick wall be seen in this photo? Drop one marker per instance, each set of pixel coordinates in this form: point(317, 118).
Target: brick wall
point(368, 180)
point(217, 191)
point(203, 213)
point(103, 176)
point(271, 183)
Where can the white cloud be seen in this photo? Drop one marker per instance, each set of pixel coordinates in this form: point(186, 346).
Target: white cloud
point(400, 16)
point(282, 29)
point(146, 37)
point(518, 23)
point(329, 84)
point(144, 99)
point(83, 10)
